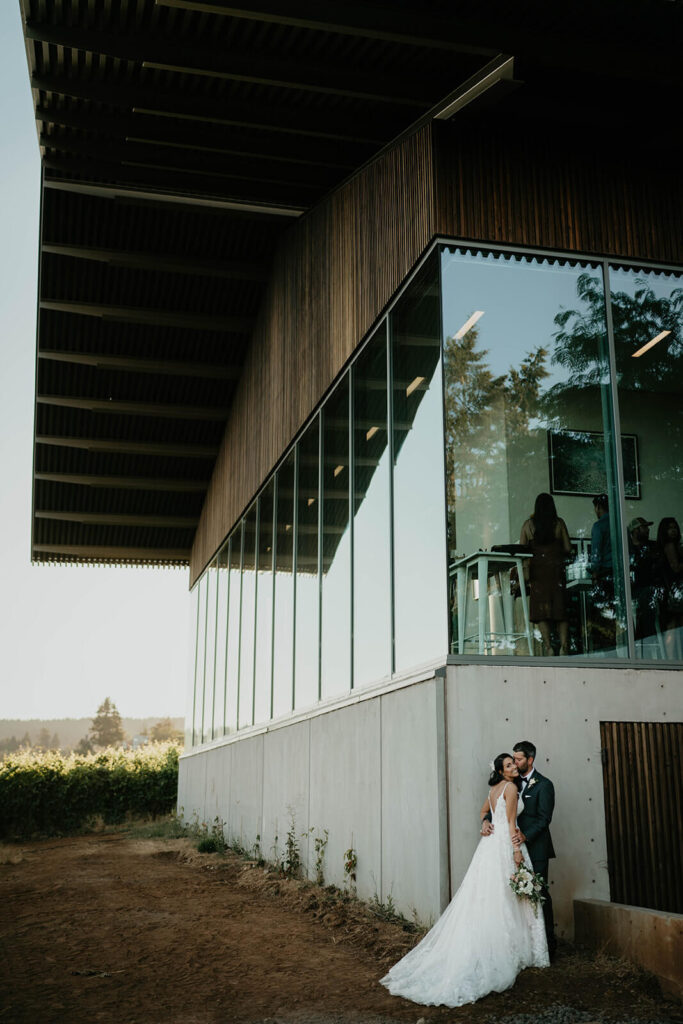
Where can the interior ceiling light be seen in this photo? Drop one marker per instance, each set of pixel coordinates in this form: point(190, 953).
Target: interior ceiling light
point(650, 344)
point(413, 385)
point(337, 470)
point(469, 324)
point(311, 501)
point(371, 433)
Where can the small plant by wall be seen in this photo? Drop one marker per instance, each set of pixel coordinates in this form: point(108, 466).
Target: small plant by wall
point(350, 865)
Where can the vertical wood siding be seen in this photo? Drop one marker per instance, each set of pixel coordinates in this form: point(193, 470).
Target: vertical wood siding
point(339, 266)
point(644, 814)
point(334, 272)
point(556, 189)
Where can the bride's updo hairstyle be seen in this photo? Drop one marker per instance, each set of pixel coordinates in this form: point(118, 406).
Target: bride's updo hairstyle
point(497, 773)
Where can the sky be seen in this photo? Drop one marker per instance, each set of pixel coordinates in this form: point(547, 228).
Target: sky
point(69, 635)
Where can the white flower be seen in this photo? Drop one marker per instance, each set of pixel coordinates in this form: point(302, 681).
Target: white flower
point(532, 783)
point(492, 766)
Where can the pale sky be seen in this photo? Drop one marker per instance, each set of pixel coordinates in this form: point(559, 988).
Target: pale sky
point(69, 636)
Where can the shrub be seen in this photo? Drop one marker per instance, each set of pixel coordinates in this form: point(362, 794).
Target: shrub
point(49, 793)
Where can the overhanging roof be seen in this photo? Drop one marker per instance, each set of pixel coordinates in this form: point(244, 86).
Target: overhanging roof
point(179, 139)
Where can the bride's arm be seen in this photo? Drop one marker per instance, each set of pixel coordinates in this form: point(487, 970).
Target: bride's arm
point(511, 811)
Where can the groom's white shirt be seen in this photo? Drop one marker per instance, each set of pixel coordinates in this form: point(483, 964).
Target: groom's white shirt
point(525, 781)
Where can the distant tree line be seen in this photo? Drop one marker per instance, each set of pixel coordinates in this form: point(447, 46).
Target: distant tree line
point(106, 730)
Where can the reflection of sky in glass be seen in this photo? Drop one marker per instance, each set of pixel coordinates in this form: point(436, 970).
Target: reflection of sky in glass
point(233, 630)
point(520, 299)
point(221, 644)
point(210, 660)
point(248, 619)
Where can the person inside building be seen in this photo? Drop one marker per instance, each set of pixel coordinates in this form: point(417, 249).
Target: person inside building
point(602, 623)
point(645, 592)
point(671, 551)
point(547, 538)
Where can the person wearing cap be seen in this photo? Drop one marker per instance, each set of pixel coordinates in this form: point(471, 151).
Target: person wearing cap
point(644, 589)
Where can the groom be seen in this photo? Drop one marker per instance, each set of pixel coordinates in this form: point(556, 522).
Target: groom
point(533, 825)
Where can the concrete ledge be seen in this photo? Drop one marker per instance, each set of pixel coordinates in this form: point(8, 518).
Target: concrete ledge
point(651, 938)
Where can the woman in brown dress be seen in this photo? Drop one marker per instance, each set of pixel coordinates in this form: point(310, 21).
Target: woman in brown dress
point(546, 536)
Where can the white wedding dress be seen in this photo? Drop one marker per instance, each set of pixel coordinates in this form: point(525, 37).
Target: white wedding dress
point(483, 939)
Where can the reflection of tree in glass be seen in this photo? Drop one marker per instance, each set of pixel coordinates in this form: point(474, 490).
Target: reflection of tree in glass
point(637, 319)
point(474, 442)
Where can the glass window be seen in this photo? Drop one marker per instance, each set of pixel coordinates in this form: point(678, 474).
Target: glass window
point(371, 529)
point(192, 667)
point(420, 572)
point(233, 653)
point(264, 608)
point(307, 600)
point(283, 637)
point(533, 507)
point(210, 652)
point(223, 584)
point(248, 620)
point(335, 656)
point(199, 660)
point(647, 315)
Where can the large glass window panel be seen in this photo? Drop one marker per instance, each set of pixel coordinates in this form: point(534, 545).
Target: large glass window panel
point(529, 445)
point(283, 636)
point(210, 652)
point(335, 658)
point(192, 668)
point(264, 608)
point(233, 653)
point(246, 700)
point(202, 588)
point(223, 585)
point(647, 316)
point(371, 526)
point(420, 571)
point(307, 596)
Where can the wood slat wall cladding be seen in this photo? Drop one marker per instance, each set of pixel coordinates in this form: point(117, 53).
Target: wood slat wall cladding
point(556, 188)
point(643, 812)
point(334, 272)
point(481, 180)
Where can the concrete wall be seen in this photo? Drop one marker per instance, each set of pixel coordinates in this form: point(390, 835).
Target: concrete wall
point(400, 775)
point(560, 710)
point(648, 937)
point(369, 769)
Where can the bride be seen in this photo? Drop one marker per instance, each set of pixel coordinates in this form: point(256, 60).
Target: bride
point(487, 934)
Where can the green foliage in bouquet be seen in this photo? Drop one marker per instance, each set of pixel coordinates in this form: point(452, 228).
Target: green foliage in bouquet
point(47, 793)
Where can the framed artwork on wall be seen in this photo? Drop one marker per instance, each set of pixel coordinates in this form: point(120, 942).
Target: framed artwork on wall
point(577, 463)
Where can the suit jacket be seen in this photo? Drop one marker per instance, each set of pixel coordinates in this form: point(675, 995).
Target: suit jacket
point(534, 821)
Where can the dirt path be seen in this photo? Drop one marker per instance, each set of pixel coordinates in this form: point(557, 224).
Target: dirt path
point(112, 929)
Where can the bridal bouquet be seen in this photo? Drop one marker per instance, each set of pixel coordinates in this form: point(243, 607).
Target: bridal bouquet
point(528, 886)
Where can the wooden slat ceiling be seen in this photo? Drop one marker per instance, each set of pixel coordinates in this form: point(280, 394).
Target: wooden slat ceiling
point(179, 139)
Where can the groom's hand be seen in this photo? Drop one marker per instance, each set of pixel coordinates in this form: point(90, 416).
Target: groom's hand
point(486, 827)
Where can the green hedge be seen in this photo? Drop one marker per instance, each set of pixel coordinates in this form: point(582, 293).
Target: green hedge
point(52, 794)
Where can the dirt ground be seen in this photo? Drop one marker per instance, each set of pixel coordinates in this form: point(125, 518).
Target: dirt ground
point(143, 931)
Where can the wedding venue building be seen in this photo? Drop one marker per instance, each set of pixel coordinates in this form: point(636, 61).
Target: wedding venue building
point(329, 295)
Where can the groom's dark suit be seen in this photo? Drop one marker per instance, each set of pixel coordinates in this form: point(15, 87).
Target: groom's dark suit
point(538, 797)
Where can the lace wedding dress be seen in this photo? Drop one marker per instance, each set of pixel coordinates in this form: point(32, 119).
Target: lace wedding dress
point(484, 938)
